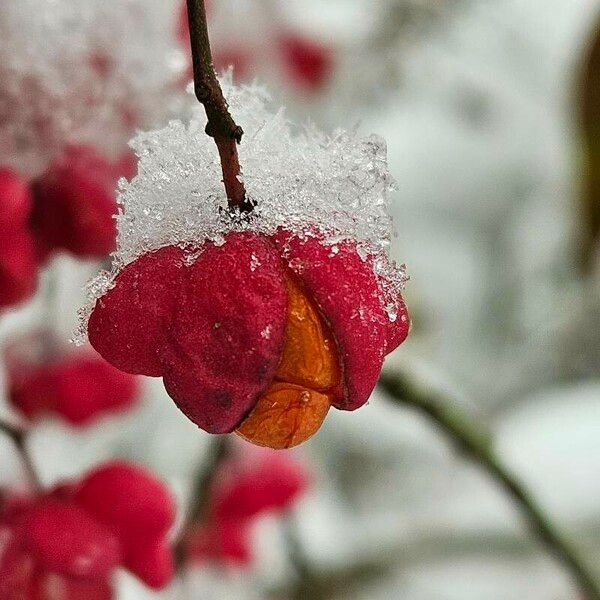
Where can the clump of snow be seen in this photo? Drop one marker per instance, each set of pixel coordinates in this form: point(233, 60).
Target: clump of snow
point(299, 179)
point(84, 71)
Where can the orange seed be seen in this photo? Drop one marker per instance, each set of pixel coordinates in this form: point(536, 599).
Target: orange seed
point(285, 416)
point(310, 354)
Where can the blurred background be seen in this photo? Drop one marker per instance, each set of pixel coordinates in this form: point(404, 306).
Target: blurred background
point(491, 112)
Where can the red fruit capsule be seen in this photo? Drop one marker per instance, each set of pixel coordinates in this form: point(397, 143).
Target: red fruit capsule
point(307, 63)
point(65, 539)
point(78, 386)
point(18, 264)
point(67, 542)
point(139, 509)
point(75, 206)
point(259, 335)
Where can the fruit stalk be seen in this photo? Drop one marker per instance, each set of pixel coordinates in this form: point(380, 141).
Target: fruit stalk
point(221, 126)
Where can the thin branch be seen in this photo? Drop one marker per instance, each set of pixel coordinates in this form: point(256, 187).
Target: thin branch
point(465, 433)
point(221, 126)
point(308, 584)
point(199, 506)
point(18, 436)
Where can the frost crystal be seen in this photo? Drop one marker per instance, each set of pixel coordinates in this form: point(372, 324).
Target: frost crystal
point(84, 71)
point(299, 179)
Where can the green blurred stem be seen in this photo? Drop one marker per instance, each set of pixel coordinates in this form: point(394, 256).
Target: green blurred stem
point(307, 583)
point(465, 433)
point(18, 437)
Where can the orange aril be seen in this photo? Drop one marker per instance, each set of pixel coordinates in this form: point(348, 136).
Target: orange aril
point(309, 354)
point(285, 416)
point(296, 404)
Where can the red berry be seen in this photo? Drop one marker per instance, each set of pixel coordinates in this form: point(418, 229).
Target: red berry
point(140, 510)
point(307, 63)
point(129, 499)
point(79, 386)
point(265, 482)
point(246, 487)
point(68, 542)
point(258, 334)
point(75, 205)
point(88, 387)
point(65, 539)
point(18, 266)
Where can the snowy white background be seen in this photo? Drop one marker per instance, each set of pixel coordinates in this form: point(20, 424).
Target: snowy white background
point(475, 100)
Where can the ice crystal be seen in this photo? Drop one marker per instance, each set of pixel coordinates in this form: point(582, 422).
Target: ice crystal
point(298, 178)
point(87, 71)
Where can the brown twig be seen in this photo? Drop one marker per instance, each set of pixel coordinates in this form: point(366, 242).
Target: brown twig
point(199, 506)
point(404, 390)
point(18, 436)
point(221, 126)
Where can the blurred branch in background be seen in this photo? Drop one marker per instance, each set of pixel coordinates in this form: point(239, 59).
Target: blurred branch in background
point(199, 503)
point(589, 109)
point(18, 437)
point(465, 433)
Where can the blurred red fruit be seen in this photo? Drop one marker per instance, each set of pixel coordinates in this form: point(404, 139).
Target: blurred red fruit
point(246, 487)
point(78, 386)
point(57, 547)
point(265, 482)
point(139, 510)
point(307, 63)
point(15, 199)
point(18, 264)
point(236, 57)
point(221, 542)
point(75, 203)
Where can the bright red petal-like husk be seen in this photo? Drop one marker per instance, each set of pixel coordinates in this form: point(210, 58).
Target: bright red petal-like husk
point(347, 290)
point(129, 323)
point(227, 336)
point(129, 499)
point(18, 266)
point(213, 327)
point(65, 539)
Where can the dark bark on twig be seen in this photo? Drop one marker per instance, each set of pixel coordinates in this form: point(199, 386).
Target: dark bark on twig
point(199, 506)
point(221, 126)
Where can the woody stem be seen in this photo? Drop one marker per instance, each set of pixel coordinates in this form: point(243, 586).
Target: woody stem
point(405, 390)
point(18, 437)
point(221, 126)
point(199, 505)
